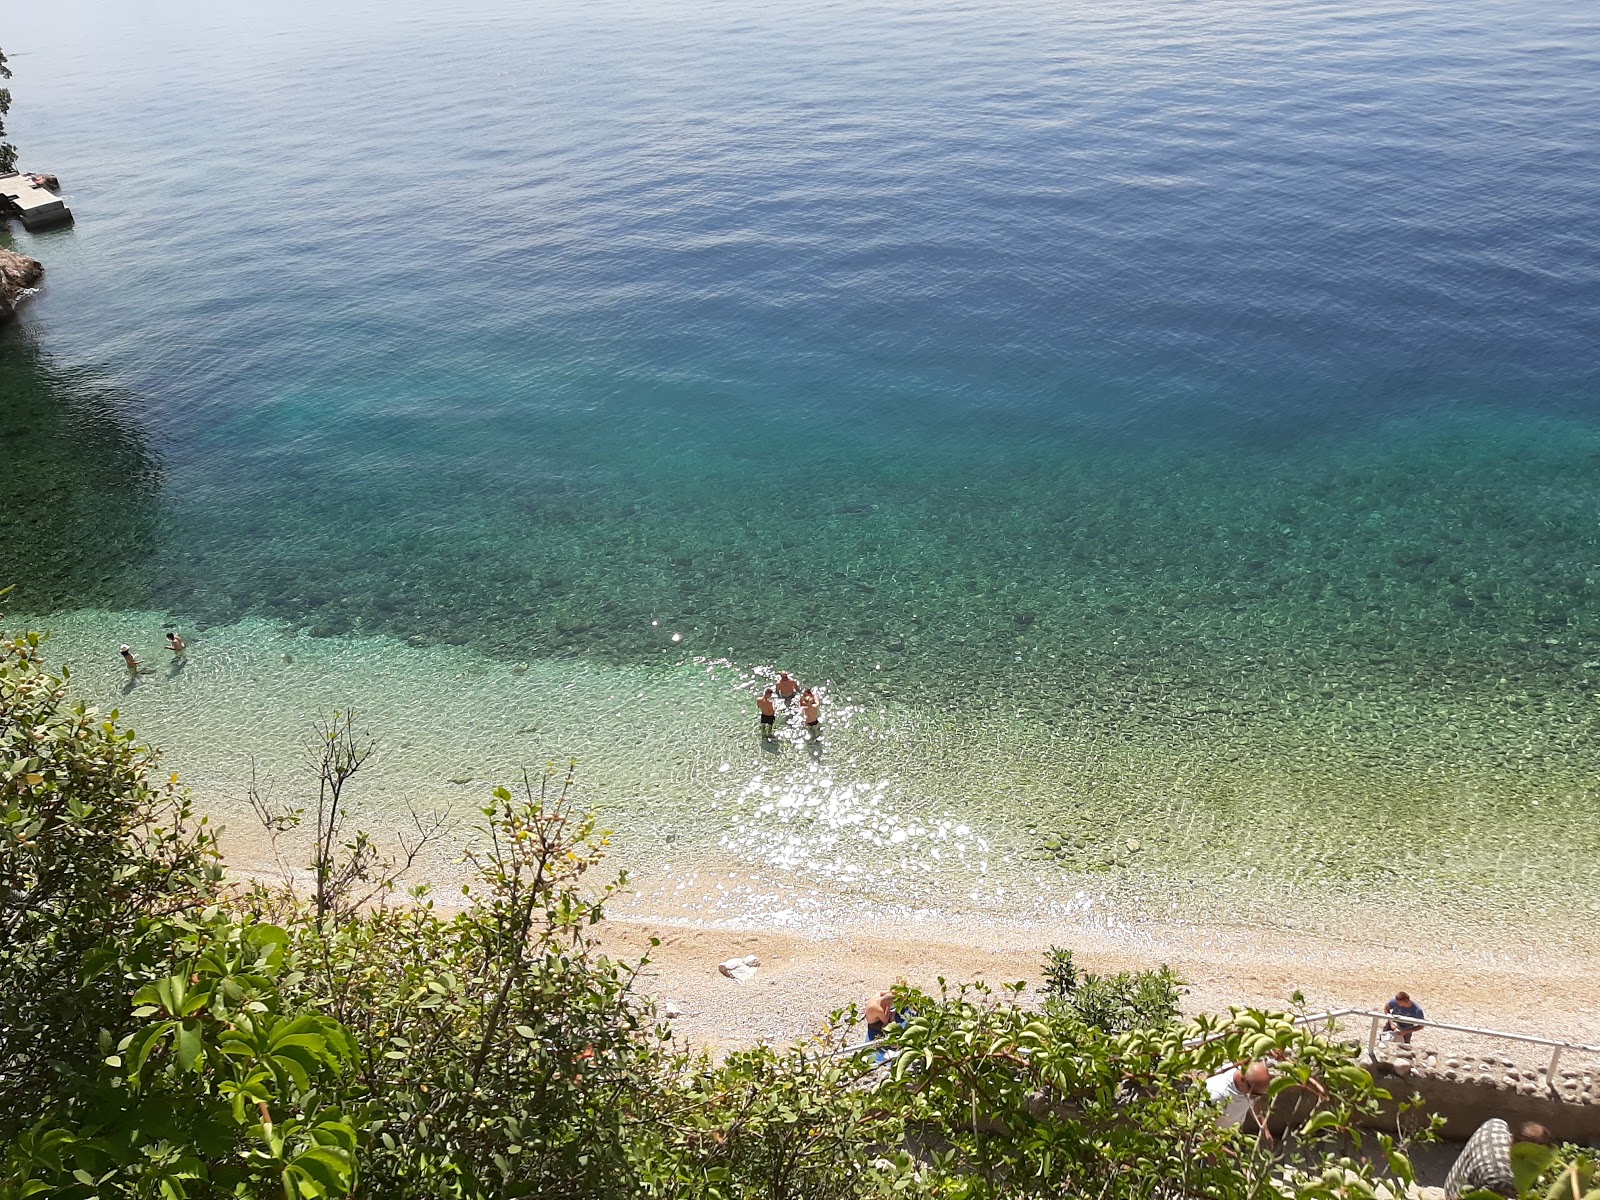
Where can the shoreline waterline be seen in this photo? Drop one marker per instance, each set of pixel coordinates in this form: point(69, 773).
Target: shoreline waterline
point(892, 810)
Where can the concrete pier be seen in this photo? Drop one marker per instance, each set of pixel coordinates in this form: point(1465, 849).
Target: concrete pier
point(32, 200)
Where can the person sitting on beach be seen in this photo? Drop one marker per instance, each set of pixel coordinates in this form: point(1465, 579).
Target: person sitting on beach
point(127, 657)
point(176, 644)
point(811, 708)
point(1402, 1006)
point(767, 709)
point(1485, 1161)
point(880, 1015)
point(880, 1012)
point(788, 686)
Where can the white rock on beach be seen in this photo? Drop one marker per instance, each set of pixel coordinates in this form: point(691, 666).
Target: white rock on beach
point(740, 970)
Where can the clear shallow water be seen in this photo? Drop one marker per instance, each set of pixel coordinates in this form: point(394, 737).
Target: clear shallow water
point(1166, 426)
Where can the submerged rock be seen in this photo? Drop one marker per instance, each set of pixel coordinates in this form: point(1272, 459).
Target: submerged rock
point(18, 273)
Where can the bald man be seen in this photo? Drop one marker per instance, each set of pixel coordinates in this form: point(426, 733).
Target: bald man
point(1239, 1091)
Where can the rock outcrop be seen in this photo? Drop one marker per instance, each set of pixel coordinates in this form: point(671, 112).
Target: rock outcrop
point(18, 273)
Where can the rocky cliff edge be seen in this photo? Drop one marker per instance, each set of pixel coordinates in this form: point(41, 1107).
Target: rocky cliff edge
point(18, 273)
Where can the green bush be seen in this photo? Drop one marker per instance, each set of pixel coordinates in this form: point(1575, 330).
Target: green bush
point(499, 1053)
point(1115, 1003)
point(219, 1089)
point(97, 853)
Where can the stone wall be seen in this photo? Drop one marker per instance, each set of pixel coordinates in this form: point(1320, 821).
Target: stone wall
point(1466, 1090)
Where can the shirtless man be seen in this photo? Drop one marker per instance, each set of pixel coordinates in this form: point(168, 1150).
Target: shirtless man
point(767, 709)
point(176, 644)
point(880, 1012)
point(810, 708)
point(788, 686)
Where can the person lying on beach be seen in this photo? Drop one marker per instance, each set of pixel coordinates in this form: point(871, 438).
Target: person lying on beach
point(788, 686)
point(880, 1015)
point(767, 709)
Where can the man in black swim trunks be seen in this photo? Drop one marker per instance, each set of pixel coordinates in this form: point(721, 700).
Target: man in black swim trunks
point(810, 708)
point(768, 710)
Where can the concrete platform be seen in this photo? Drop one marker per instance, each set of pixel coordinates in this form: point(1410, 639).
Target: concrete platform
point(36, 206)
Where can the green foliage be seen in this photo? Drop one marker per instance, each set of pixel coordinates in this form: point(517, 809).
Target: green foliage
point(8, 152)
point(1114, 1003)
point(1548, 1173)
point(769, 1123)
point(1060, 973)
point(503, 1055)
point(96, 852)
point(219, 1089)
point(1011, 1102)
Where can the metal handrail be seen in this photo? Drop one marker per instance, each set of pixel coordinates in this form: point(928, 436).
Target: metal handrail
point(1379, 1017)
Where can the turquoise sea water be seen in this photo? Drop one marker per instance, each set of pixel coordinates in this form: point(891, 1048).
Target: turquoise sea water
point(1170, 432)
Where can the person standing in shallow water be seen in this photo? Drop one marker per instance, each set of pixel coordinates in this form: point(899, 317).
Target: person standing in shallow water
point(767, 709)
point(177, 645)
point(127, 657)
point(788, 686)
point(811, 708)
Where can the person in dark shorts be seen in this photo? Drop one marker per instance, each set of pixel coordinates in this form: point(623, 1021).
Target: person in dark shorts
point(768, 710)
point(1403, 1006)
point(810, 708)
point(788, 686)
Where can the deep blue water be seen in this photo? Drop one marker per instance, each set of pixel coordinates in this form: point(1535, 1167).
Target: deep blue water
point(1156, 361)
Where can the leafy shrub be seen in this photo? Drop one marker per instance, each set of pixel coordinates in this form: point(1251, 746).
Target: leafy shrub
point(1115, 1003)
point(97, 851)
point(500, 1054)
point(219, 1089)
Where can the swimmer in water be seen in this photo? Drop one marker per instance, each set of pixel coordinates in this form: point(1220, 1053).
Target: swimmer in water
point(768, 710)
point(788, 686)
point(811, 708)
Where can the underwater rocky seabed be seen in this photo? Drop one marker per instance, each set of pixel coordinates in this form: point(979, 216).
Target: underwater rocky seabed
point(1352, 671)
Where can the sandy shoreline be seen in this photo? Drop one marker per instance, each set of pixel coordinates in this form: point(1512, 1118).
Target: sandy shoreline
point(823, 950)
point(805, 974)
